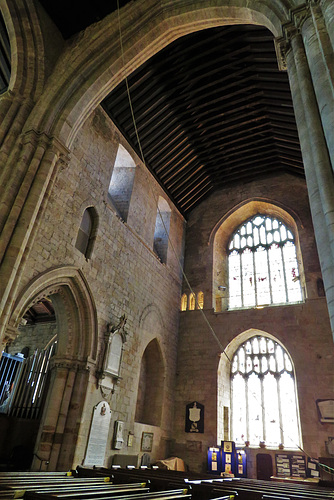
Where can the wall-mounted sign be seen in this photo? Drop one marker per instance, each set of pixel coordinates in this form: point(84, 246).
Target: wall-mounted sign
point(326, 410)
point(194, 417)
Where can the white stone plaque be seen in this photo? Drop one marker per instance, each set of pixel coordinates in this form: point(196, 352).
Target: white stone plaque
point(98, 436)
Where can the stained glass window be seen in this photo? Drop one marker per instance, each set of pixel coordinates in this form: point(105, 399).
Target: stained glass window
point(262, 263)
point(264, 402)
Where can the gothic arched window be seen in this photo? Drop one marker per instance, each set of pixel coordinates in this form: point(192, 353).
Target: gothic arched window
point(262, 264)
point(200, 300)
point(184, 302)
point(87, 232)
point(263, 395)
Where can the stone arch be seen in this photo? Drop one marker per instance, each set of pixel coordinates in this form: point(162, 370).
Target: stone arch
point(151, 385)
point(66, 103)
point(151, 315)
point(222, 231)
point(27, 47)
point(74, 306)
point(152, 366)
point(87, 231)
point(59, 433)
point(224, 381)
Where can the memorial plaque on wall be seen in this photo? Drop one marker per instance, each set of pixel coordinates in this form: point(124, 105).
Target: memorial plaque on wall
point(194, 417)
point(98, 435)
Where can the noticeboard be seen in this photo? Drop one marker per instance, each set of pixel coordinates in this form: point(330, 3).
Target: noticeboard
point(290, 465)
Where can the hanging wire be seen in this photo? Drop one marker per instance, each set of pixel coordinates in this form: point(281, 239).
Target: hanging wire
point(213, 333)
point(155, 198)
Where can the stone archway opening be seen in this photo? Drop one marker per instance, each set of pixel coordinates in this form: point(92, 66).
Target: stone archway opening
point(65, 294)
point(24, 382)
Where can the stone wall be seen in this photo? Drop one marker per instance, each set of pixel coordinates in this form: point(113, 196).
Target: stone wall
point(303, 329)
point(33, 336)
point(123, 274)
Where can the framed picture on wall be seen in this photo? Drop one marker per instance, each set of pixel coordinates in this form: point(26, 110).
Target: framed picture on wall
point(147, 441)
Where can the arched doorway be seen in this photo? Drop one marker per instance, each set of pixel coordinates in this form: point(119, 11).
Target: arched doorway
point(24, 381)
point(59, 434)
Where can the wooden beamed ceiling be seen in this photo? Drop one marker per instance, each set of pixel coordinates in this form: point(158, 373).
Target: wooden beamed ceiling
point(212, 110)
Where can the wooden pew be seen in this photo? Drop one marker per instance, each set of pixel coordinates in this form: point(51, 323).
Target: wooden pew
point(120, 494)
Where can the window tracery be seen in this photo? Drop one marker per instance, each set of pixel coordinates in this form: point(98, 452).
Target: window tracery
point(262, 264)
point(263, 395)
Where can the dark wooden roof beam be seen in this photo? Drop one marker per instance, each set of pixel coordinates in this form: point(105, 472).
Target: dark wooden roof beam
point(196, 196)
point(225, 121)
point(183, 178)
point(166, 140)
point(175, 159)
point(171, 149)
point(195, 189)
point(199, 104)
point(191, 163)
point(179, 165)
point(238, 163)
point(193, 203)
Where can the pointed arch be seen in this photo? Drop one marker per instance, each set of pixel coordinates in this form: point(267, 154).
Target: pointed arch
point(184, 302)
point(151, 386)
point(98, 56)
point(228, 224)
point(27, 47)
point(74, 306)
point(87, 232)
point(254, 390)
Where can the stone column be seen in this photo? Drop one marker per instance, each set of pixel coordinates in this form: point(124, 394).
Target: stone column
point(320, 57)
point(315, 157)
point(327, 7)
point(41, 156)
point(47, 429)
point(51, 432)
point(72, 432)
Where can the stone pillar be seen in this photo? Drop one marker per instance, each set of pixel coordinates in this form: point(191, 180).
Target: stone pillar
point(72, 438)
point(40, 157)
point(315, 156)
point(320, 57)
point(327, 7)
point(51, 432)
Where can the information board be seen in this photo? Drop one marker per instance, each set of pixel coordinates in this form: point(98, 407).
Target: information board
point(290, 465)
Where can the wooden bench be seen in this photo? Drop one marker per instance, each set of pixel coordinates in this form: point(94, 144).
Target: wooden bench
point(120, 493)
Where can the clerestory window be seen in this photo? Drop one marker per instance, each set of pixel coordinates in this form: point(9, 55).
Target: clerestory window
point(264, 401)
point(262, 264)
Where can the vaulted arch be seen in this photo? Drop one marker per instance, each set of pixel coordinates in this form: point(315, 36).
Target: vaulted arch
point(97, 54)
point(74, 306)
